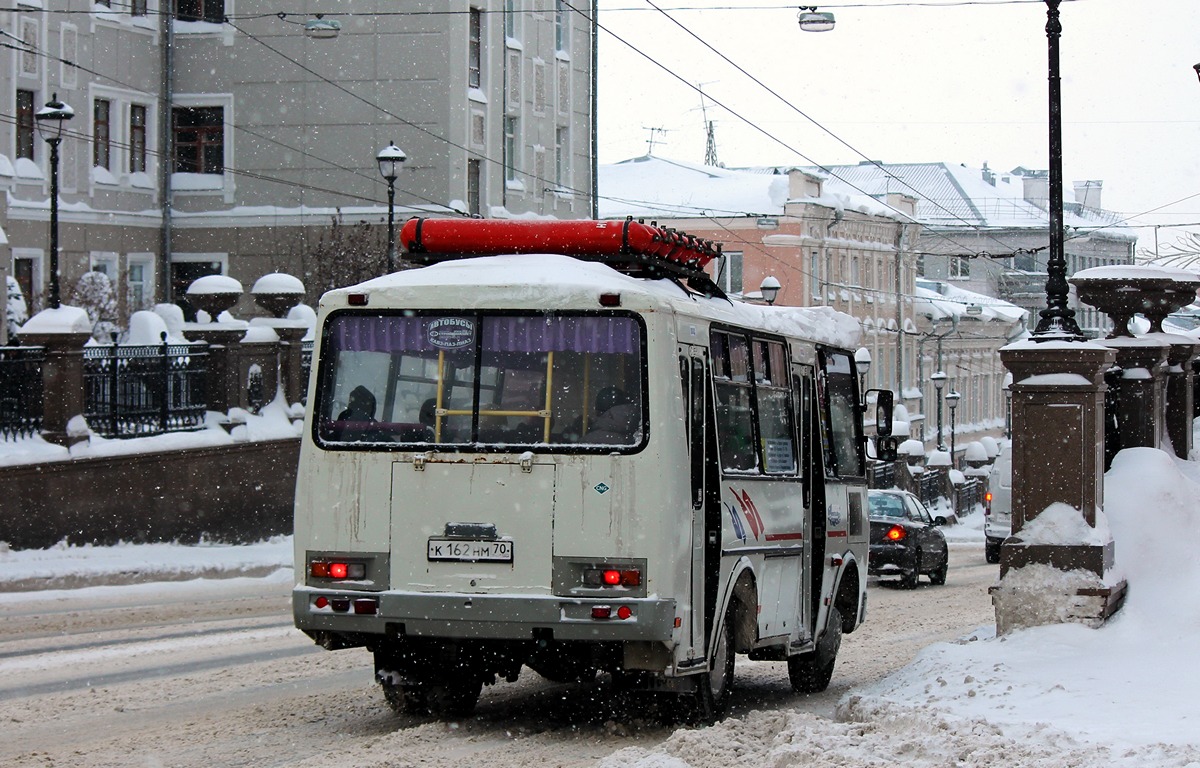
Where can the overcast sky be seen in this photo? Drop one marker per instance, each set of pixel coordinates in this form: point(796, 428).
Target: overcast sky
point(959, 82)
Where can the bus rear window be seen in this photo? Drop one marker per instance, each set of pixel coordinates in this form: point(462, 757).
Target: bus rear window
point(480, 382)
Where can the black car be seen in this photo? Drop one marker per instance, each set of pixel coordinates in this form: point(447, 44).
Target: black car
point(905, 539)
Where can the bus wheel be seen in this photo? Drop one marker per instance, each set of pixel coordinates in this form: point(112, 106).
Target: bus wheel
point(454, 698)
point(408, 699)
point(711, 697)
point(811, 672)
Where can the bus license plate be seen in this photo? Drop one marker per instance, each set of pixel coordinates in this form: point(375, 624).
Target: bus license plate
point(460, 550)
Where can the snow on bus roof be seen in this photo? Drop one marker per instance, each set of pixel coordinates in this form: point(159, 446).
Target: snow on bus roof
point(525, 276)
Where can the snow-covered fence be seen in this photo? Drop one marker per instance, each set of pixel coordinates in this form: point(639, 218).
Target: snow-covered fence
point(21, 391)
point(140, 390)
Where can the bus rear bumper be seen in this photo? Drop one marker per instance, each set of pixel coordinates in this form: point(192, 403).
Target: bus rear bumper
point(482, 617)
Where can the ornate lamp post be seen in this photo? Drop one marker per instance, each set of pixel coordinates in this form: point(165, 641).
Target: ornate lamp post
point(50, 120)
point(1057, 319)
point(939, 380)
point(390, 158)
point(952, 401)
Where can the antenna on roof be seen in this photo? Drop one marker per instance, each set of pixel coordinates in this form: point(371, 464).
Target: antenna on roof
point(654, 132)
point(710, 145)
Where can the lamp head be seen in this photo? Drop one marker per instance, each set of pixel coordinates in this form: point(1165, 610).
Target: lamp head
point(769, 287)
point(322, 28)
point(952, 399)
point(862, 360)
point(812, 20)
point(50, 119)
point(939, 380)
point(390, 158)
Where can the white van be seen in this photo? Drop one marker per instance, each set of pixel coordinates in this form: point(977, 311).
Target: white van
point(997, 521)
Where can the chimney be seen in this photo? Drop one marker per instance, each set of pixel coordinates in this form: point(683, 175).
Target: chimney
point(1087, 193)
point(988, 176)
point(1037, 189)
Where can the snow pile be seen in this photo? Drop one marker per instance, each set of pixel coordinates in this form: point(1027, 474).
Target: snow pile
point(1122, 695)
point(1063, 524)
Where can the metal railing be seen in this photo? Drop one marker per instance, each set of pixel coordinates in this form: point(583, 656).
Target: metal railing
point(142, 390)
point(21, 391)
point(968, 495)
point(881, 474)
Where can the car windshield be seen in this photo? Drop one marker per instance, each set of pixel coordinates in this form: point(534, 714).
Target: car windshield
point(886, 505)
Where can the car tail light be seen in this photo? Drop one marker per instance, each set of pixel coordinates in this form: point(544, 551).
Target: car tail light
point(896, 533)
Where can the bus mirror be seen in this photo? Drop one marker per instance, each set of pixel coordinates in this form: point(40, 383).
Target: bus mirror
point(884, 402)
point(887, 447)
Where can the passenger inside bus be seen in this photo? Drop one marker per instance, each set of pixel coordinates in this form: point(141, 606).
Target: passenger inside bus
point(428, 417)
point(360, 407)
point(616, 418)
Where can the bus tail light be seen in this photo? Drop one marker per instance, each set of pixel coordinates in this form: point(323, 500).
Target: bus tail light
point(896, 533)
point(338, 569)
point(606, 612)
point(612, 577)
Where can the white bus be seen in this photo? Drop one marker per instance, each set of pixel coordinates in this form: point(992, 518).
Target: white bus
point(539, 460)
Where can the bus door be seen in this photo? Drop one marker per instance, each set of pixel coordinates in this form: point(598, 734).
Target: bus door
point(705, 498)
point(808, 424)
point(842, 454)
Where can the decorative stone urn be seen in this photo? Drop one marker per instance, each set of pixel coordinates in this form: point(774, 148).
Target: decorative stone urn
point(214, 294)
point(277, 293)
point(1122, 291)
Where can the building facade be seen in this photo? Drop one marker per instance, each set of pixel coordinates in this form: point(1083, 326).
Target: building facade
point(989, 232)
point(838, 248)
point(224, 137)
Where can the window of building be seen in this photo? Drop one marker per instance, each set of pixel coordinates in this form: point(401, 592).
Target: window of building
point(730, 276)
point(814, 273)
point(510, 19)
point(562, 26)
point(475, 49)
point(137, 138)
point(474, 187)
point(199, 134)
point(139, 283)
point(137, 7)
point(25, 130)
point(510, 148)
point(959, 268)
point(200, 10)
point(101, 132)
point(562, 157)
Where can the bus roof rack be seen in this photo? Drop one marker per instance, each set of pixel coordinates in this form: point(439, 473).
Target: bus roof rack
point(632, 247)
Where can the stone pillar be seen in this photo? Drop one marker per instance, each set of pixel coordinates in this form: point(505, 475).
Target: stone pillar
point(290, 333)
point(63, 332)
point(222, 380)
point(1057, 458)
point(1143, 362)
point(1180, 404)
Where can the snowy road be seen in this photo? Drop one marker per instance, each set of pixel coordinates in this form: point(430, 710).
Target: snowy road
point(216, 676)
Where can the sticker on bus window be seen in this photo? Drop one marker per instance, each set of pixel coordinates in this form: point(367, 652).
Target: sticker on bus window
point(779, 455)
point(451, 332)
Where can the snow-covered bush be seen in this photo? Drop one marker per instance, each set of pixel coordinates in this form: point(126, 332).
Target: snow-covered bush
point(16, 311)
point(94, 293)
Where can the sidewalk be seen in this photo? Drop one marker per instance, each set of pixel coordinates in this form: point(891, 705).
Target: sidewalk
point(71, 567)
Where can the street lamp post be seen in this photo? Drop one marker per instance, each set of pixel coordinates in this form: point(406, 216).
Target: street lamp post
point(939, 380)
point(1007, 388)
point(952, 401)
point(390, 159)
point(1057, 320)
point(50, 120)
